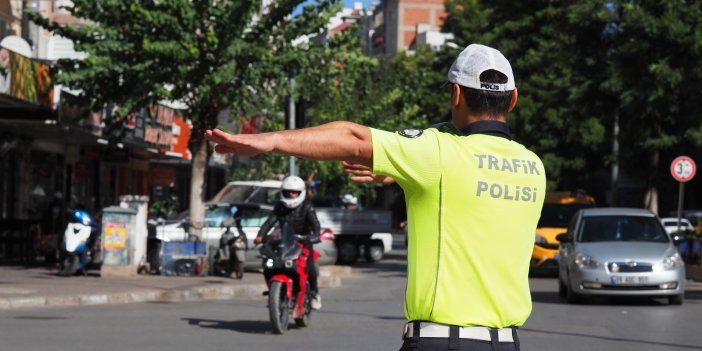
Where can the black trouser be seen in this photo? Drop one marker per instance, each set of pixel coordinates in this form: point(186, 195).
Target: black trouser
point(312, 271)
point(454, 343)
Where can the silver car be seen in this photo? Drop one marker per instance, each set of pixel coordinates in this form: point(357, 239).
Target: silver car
point(619, 252)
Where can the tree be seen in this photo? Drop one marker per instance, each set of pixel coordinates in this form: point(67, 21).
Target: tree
point(402, 93)
point(581, 65)
point(211, 55)
point(544, 121)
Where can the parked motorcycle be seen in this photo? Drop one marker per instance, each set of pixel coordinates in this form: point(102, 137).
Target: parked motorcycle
point(231, 255)
point(75, 251)
point(285, 270)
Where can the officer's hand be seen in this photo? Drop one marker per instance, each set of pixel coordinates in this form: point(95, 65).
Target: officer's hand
point(241, 144)
point(363, 174)
point(258, 240)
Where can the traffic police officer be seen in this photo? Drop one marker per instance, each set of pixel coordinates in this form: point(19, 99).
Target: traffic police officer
point(473, 195)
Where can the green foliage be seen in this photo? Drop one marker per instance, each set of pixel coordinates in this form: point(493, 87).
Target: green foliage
point(579, 64)
point(205, 53)
point(402, 93)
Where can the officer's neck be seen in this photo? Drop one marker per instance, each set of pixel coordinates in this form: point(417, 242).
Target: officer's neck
point(462, 121)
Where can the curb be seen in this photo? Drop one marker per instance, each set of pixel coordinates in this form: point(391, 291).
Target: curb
point(199, 293)
point(693, 272)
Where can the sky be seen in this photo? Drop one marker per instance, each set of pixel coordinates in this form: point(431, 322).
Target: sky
point(347, 3)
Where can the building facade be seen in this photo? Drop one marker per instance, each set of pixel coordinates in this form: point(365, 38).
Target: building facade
point(55, 154)
point(397, 24)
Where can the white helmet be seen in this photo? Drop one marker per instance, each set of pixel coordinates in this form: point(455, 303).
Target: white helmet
point(292, 191)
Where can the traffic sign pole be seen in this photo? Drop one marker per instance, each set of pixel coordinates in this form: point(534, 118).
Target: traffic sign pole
point(681, 194)
point(683, 170)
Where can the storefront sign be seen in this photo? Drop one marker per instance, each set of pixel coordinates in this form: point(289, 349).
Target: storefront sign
point(180, 137)
point(25, 79)
point(157, 136)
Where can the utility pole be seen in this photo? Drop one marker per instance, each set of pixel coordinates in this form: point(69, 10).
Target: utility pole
point(292, 168)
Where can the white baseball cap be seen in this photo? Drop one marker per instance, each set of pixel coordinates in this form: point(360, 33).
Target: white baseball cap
point(476, 59)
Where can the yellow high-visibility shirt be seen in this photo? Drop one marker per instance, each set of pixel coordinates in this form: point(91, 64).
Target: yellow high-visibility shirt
point(473, 203)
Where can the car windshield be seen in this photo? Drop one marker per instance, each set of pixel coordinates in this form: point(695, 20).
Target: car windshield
point(248, 193)
point(621, 228)
point(214, 217)
point(558, 215)
point(674, 223)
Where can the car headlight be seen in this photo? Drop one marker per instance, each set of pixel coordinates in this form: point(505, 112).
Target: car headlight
point(585, 261)
point(540, 239)
point(672, 262)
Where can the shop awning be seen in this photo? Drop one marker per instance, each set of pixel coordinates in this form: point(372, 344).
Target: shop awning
point(15, 109)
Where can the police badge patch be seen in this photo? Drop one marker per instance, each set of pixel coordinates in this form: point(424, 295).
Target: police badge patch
point(410, 132)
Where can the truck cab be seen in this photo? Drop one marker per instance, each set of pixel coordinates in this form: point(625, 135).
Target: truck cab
point(558, 209)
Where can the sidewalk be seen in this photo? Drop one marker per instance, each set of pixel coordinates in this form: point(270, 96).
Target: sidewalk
point(34, 287)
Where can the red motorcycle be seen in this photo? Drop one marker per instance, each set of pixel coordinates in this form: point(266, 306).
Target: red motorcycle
point(285, 270)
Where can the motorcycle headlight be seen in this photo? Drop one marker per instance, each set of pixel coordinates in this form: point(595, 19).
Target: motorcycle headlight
point(540, 239)
point(585, 261)
point(269, 263)
point(672, 262)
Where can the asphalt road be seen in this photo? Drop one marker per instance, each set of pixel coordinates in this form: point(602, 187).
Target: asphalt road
point(364, 314)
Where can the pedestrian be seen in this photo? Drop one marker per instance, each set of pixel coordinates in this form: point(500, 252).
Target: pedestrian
point(474, 197)
point(295, 209)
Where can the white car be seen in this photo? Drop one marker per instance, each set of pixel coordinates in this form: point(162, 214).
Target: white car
point(671, 225)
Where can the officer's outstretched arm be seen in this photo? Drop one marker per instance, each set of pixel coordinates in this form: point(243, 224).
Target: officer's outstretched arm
point(335, 141)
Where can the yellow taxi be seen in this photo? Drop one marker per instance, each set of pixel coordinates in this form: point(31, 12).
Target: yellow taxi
point(559, 208)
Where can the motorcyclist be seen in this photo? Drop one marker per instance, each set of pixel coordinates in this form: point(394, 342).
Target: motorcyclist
point(294, 210)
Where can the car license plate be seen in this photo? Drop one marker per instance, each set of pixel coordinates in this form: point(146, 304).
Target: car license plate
point(624, 280)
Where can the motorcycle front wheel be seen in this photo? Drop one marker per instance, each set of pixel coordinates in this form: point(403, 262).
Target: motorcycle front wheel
point(68, 265)
point(278, 307)
point(305, 320)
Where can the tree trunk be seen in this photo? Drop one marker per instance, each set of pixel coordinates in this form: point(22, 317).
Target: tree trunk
point(651, 198)
point(198, 184)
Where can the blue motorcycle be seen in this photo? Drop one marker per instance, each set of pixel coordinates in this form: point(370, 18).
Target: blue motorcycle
point(75, 248)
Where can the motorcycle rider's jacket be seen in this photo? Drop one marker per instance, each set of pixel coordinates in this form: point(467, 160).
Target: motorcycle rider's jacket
point(474, 197)
point(303, 219)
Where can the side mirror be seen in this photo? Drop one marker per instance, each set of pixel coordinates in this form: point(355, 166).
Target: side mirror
point(563, 237)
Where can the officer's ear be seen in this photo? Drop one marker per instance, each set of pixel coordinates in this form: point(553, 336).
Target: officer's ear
point(456, 95)
point(513, 102)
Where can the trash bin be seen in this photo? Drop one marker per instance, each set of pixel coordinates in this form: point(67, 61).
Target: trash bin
point(118, 225)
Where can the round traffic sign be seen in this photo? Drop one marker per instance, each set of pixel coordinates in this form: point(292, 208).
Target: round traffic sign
point(683, 168)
